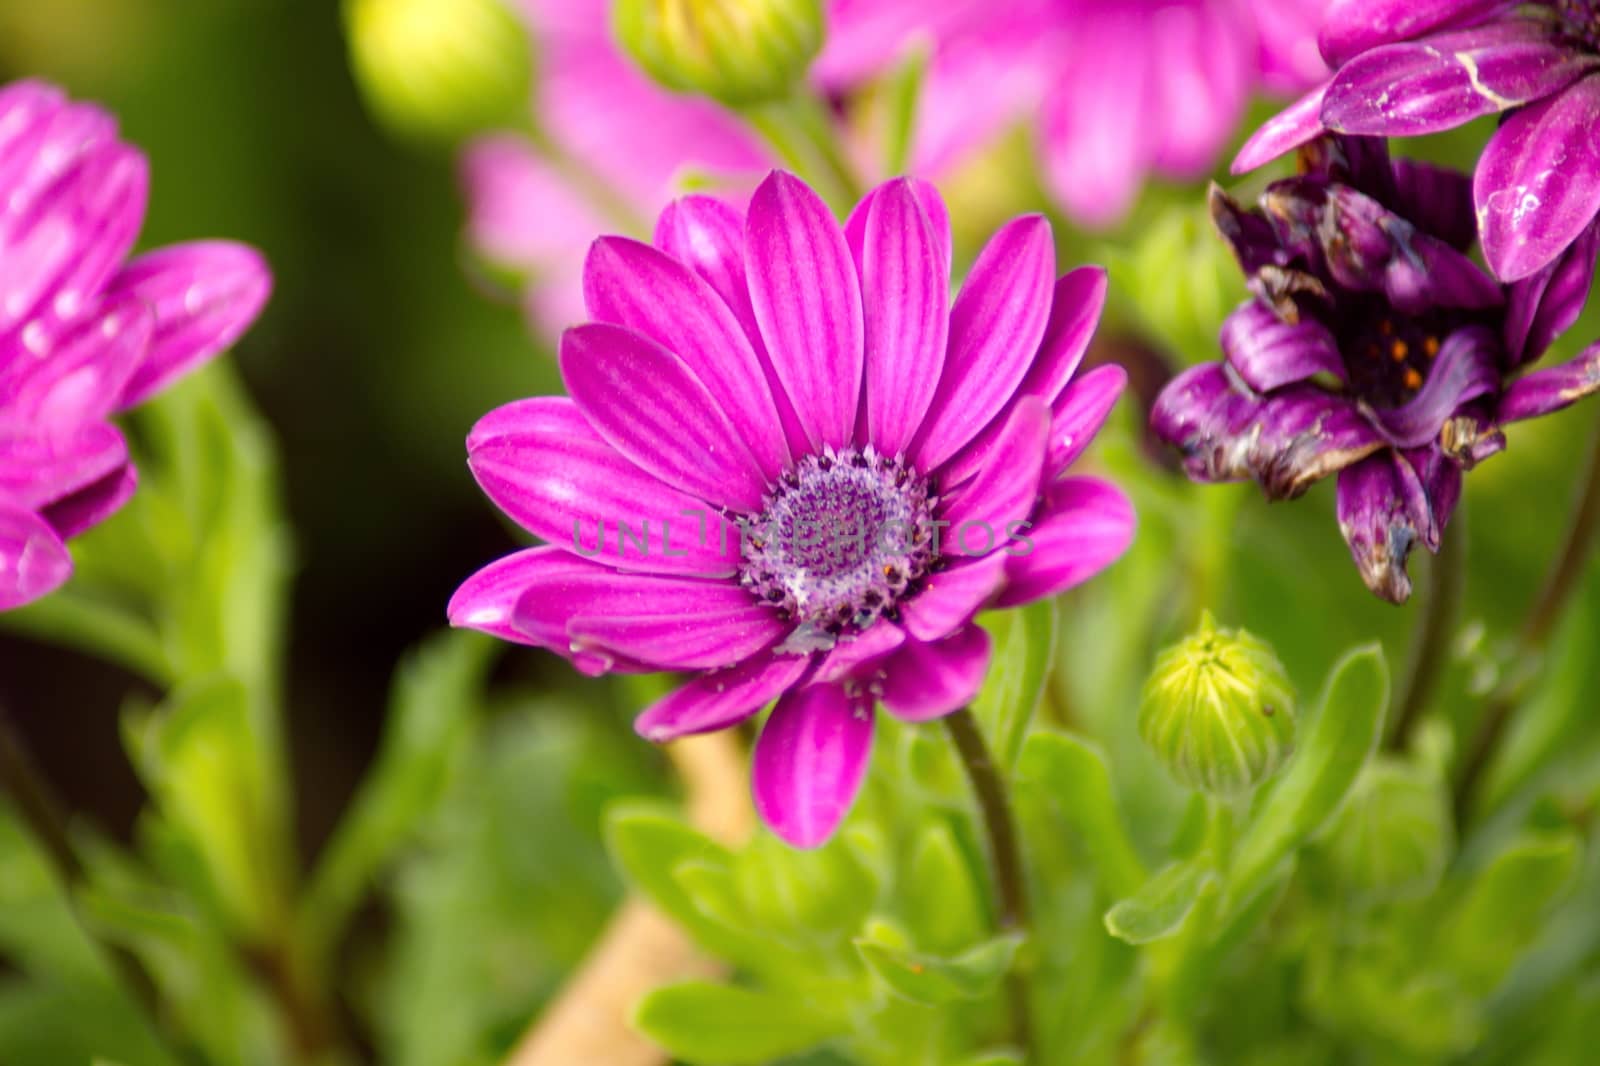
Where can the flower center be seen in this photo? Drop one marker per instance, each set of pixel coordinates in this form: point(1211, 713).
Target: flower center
point(1580, 19)
point(1388, 357)
point(842, 539)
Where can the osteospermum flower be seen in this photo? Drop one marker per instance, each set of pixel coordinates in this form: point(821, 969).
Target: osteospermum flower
point(1407, 68)
point(1117, 91)
point(790, 468)
point(83, 332)
point(615, 142)
point(1373, 348)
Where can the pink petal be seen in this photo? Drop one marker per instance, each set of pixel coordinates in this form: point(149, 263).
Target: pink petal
point(1295, 125)
point(92, 504)
point(39, 468)
point(995, 329)
point(853, 656)
point(1350, 27)
point(542, 464)
point(1203, 69)
point(810, 761)
point(33, 561)
point(926, 680)
point(720, 698)
point(1003, 491)
point(650, 406)
point(1079, 414)
point(205, 295)
point(950, 597)
point(807, 300)
point(905, 291)
point(1083, 526)
point(80, 377)
point(634, 285)
point(487, 599)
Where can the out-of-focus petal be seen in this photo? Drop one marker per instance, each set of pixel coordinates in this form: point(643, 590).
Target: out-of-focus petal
point(809, 762)
point(205, 295)
point(92, 504)
point(1553, 388)
point(38, 468)
point(1438, 199)
point(1541, 306)
point(33, 561)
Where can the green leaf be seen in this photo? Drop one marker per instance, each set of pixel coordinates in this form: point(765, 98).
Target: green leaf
point(1023, 650)
point(1073, 773)
point(1506, 904)
point(720, 1025)
point(936, 980)
point(1317, 779)
point(1161, 907)
point(651, 842)
point(430, 722)
point(953, 915)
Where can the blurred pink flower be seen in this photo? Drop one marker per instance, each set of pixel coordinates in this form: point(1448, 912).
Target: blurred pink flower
point(602, 119)
point(1117, 89)
point(85, 333)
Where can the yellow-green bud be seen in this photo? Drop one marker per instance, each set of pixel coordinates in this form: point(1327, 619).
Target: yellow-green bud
point(1218, 710)
point(441, 70)
point(1393, 836)
point(740, 52)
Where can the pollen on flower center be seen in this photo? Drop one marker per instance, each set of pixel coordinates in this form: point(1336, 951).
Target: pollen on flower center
point(1389, 356)
point(840, 541)
point(1581, 19)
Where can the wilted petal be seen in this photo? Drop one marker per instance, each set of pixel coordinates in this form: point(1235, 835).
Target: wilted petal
point(1083, 526)
point(648, 405)
point(996, 326)
point(1296, 124)
point(1466, 368)
point(542, 464)
point(1350, 27)
point(1538, 181)
point(930, 680)
point(1269, 353)
point(1383, 512)
point(905, 289)
point(809, 762)
point(205, 295)
point(33, 561)
point(1553, 388)
point(1541, 306)
point(720, 698)
point(1444, 81)
point(634, 285)
point(1438, 199)
point(1079, 413)
point(807, 299)
point(1285, 441)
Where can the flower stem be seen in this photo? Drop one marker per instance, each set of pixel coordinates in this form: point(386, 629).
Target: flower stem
point(36, 806)
point(989, 788)
point(1561, 582)
point(1431, 648)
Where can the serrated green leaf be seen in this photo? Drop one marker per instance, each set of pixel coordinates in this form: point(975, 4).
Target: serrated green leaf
point(1160, 908)
point(1073, 773)
point(720, 1025)
point(936, 980)
point(1336, 746)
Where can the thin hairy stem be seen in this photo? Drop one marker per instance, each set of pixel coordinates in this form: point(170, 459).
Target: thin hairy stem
point(1005, 852)
point(1430, 649)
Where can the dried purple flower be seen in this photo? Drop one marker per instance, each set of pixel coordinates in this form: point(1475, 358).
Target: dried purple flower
point(791, 414)
point(1373, 348)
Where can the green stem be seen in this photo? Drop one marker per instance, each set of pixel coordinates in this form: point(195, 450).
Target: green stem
point(1561, 583)
point(36, 806)
point(801, 133)
point(1431, 648)
point(1005, 853)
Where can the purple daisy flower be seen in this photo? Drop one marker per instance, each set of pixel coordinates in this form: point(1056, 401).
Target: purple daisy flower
point(1373, 348)
point(790, 467)
point(83, 332)
point(1412, 67)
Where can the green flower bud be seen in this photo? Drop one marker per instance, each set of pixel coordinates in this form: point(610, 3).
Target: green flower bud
point(740, 52)
point(441, 70)
point(1218, 710)
point(1393, 836)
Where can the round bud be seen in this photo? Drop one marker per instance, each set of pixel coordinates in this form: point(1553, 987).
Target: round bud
point(1218, 710)
point(739, 52)
point(441, 70)
point(1393, 836)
